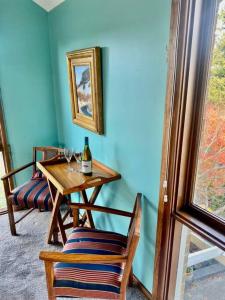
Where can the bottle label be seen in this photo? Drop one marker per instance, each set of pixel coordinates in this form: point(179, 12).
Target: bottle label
point(86, 167)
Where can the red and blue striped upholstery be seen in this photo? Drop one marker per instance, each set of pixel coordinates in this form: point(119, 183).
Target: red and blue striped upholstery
point(90, 280)
point(33, 194)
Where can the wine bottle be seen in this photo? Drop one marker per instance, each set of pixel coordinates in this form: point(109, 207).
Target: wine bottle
point(86, 165)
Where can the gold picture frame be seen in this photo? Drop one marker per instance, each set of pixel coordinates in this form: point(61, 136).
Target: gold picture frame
point(84, 71)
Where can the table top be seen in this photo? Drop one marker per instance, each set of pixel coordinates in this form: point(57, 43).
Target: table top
point(67, 182)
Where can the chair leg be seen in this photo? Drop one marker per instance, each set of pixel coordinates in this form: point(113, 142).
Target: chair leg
point(9, 207)
point(130, 283)
point(11, 217)
point(49, 280)
point(123, 296)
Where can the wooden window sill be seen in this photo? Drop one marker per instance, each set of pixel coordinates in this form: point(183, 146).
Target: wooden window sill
point(201, 228)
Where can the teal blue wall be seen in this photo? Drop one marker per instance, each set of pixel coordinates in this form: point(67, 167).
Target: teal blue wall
point(133, 36)
point(26, 78)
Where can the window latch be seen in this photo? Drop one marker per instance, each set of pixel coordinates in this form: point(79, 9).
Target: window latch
point(165, 197)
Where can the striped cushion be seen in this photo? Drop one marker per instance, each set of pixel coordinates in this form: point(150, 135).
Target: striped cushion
point(32, 194)
point(90, 280)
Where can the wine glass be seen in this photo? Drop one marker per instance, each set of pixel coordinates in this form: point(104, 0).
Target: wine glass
point(78, 157)
point(68, 153)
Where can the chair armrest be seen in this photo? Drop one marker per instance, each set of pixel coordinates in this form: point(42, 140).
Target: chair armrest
point(6, 176)
point(80, 258)
point(56, 157)
point(102, 209)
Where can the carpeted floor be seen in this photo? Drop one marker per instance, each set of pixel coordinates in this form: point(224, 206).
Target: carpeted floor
point(21, 272)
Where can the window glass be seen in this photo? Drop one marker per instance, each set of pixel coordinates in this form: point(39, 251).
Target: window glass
point(201, 269)
point(2, 172)
point(209, 191)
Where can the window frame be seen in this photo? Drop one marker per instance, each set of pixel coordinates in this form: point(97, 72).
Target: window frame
point(5, 149)
point(178, 137)
point(190, 129)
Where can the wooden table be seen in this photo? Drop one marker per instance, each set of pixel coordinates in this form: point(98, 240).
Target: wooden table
point(61, 183)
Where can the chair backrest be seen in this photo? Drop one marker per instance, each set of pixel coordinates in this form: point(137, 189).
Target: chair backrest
point(135, 223)
point(47, 152)
point(133, 238)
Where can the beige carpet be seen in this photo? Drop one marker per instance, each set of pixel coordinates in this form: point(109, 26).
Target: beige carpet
point(21, 272)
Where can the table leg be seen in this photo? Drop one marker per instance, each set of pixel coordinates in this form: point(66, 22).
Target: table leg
point(92, 201)
point(55, 237)
point(88, 212)
point(52, 190)
point(75, 218)
point(53, 228)
point(61, 228)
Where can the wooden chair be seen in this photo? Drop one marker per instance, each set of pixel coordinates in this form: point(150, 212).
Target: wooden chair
point(33, 193)
point(94, 263)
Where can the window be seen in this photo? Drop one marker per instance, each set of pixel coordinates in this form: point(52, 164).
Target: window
point(2, 193)
point(191, 224)
point(201, 269)
point(202, 109)
point(5, 159)
point(209, 192)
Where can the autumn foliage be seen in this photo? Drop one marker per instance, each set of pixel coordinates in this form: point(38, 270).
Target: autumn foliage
point(210, 185)
point(210, 181)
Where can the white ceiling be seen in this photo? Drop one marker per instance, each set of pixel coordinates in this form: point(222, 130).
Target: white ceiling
point(48, 4)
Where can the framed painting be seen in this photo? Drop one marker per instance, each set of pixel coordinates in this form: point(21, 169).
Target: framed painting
point(84, 70)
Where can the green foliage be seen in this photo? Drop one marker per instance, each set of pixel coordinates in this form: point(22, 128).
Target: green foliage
point(217, 74)
point(217, 89)
point(216, 202)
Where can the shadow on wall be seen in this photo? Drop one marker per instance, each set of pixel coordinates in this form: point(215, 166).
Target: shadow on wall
point(110, 222)
point(105, 82)
point(147, 239)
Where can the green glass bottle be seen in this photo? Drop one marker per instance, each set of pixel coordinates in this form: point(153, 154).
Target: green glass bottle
point(86, 166)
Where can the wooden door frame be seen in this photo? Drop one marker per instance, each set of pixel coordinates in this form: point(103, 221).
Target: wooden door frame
point(164, 224)
point(175, 167)
point(4, 147)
